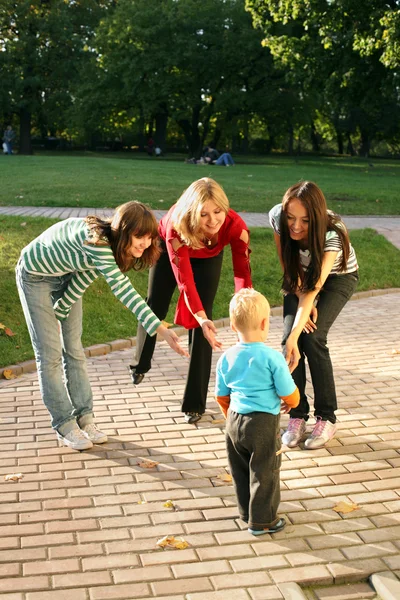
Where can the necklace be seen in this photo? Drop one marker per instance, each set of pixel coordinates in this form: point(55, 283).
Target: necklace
point(207, 241)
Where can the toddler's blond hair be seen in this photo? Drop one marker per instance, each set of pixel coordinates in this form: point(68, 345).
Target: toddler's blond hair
point(247, 309)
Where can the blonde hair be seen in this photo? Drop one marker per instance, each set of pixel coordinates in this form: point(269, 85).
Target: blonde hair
point(247, 309)
point(187, 211)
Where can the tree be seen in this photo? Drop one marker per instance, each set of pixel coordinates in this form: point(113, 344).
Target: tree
point(42, 47)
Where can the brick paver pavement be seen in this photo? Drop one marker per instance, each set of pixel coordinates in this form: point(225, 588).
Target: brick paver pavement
point(84, 526)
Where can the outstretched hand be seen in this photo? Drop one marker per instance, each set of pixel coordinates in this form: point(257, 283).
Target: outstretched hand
point(173, 340)
point(209, 331)
point(292, 353)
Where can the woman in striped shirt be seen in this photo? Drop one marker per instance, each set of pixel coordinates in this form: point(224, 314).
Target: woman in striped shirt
point(320, 274)
point(53, 272)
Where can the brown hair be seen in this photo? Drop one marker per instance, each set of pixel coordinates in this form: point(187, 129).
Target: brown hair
point(187, 211)
point(130, 219)
point(320, 221)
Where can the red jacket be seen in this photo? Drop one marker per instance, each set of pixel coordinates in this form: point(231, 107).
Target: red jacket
point(229, 233)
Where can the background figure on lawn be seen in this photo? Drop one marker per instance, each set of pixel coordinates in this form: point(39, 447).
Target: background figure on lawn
point(194, 233)
point(320, 274)
point(53, 273)
point(251, 381)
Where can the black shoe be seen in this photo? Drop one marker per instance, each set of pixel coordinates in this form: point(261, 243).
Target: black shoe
point(192, 417)
point(136, 377)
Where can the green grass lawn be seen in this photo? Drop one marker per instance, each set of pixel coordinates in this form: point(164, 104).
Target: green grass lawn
point(352, 186)
point(106, 319)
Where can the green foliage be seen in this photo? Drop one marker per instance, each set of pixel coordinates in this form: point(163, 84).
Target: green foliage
point(376, 258)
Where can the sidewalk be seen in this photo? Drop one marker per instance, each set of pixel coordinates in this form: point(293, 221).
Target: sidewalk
point(386, 225)
point(84, 526)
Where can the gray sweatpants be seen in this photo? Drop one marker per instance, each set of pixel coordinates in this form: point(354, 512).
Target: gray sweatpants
point(252, 442)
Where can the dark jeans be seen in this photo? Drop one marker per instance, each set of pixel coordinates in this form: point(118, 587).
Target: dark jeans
point(162, 284)
point(334, 295)
point(252, 442)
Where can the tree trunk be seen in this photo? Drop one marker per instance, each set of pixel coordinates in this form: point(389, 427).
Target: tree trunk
point(350, 148)
point(365, 144)
point(314, 138)
point(161, 129)
point(290, 140)
point(25, 144)
point(339, 139)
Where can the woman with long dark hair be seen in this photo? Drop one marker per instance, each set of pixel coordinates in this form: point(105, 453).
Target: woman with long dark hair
point(320, 274)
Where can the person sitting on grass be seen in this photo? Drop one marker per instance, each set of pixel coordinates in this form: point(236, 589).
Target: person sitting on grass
point(253, 385)
point(53, 273)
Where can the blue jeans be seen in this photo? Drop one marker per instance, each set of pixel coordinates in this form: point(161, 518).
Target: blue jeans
point(225, 159)
point(334, 295)
point(60, 357)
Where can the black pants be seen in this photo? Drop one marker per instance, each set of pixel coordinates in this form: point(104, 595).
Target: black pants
point(252, 442)
point(336, 292)
point(162, 284)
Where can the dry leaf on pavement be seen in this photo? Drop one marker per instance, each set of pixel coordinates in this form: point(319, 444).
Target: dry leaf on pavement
point(345, 507)
point(13, 477)
point(223, 478)
point(9, 374)
point(147, 464)
point(169, 541)
point(169, 504)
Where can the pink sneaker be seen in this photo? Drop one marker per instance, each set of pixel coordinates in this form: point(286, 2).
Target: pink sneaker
point(323, 432)
point(293, 434)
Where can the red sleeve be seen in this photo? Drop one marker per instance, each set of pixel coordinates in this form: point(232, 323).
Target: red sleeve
point(182, 269)
point(240, 253)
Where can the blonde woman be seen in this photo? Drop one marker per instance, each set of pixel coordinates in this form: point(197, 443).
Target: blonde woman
point(193, 235)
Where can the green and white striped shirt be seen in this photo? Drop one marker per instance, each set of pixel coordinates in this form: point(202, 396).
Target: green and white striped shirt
point(66, 248)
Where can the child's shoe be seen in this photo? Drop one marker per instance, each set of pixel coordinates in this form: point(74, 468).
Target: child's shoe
point(323, 432)
point(92, 433)
point(295, 431)
point(278, 527)
point(75, 439)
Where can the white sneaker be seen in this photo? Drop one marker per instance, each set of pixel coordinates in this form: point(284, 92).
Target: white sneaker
point(92, 433)
point(323, 432)
point(75, 439)
point(295, 431)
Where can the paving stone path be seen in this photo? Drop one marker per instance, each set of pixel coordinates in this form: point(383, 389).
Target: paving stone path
point(84, 526)
point(386, 225)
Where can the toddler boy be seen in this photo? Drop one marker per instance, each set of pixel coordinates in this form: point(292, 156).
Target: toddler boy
point(251, 381)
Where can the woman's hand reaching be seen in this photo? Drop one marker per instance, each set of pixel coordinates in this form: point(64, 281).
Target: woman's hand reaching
point(292, 353)
point(209, 331)
point(172, 339)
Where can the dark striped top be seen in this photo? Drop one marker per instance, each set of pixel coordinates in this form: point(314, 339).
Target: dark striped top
point(66, 247)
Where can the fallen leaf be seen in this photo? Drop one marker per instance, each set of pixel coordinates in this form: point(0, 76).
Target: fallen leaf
point(345, 507)
point(9, 374)
point(394, 351)
point(147, 464)
point(169, 541)
point(223, 477)
point(218, 421)
point(8, 332)
point(2, 326)
point(169, 504)
point(23, 224)
point(142, 502)
point(13, 477)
